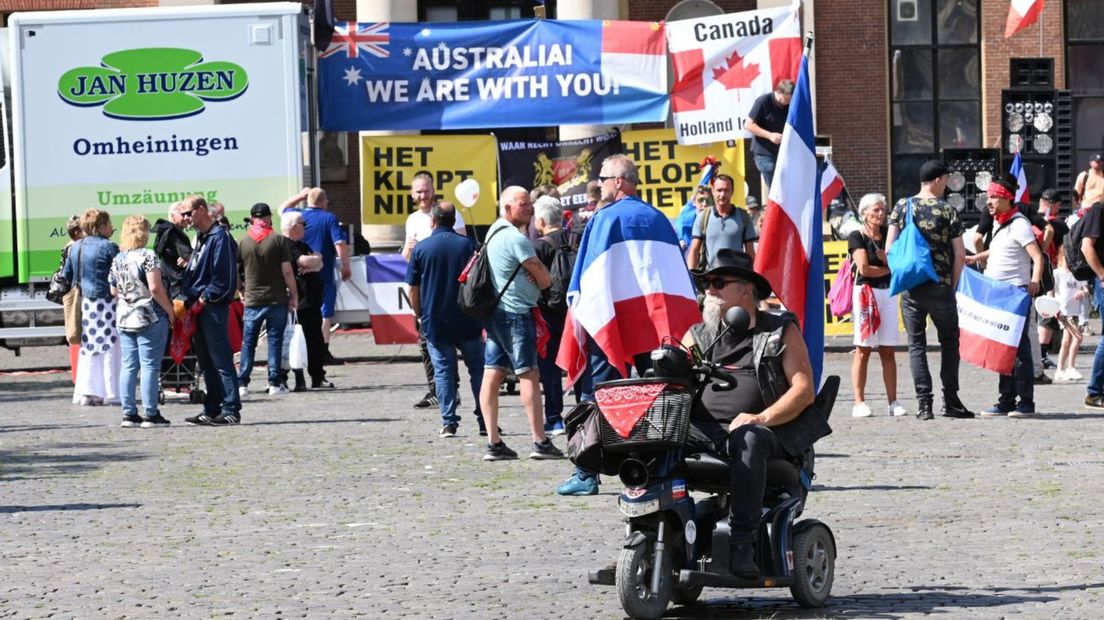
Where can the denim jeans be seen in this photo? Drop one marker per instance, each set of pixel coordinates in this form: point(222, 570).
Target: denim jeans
point(215, 358)
point(275, 319)
point(1096, 379)
point(938, 302)
point(446, 375)
point(1022, 380)
point(551, 377)
point(142, 351)
point(765, 164)
point(511, 342)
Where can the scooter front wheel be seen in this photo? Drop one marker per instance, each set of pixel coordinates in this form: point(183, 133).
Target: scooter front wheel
point(634, 582)
point(814, 565)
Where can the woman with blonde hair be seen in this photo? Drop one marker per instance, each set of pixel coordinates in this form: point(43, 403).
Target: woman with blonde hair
point(142, 321)
point(874, 311)
point(87, 266)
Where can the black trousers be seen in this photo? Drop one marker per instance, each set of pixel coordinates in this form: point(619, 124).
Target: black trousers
point(938, 302)
point(749, 447)
point(311, 320)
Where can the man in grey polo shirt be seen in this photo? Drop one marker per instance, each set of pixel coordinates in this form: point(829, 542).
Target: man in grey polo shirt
point(723, 226)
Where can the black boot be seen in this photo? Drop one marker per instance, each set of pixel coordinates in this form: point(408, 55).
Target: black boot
point(925, 412)
point(300, 382)
point(741, 558)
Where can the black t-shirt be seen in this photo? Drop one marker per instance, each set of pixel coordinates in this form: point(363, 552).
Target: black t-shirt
point(547, 246)
point(857, 240)
point(770, 116)
point(310, 284)
point(723, 407)
point(1094, 227)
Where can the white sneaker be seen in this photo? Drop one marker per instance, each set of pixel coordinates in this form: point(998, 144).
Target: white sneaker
point(277, 390)
point(861, 410)
point(243, 391)
point(1073, 375)
point(1061, 375)
point(896, 410)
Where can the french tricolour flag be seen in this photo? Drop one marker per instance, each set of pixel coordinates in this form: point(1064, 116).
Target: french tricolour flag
point(791, 253)
point(1017, 170)
point(991, 317)
point(388, 299)
point(630, 288)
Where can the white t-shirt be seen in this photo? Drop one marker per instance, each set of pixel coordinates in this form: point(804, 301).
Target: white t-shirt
point(419, 225)
point(1008, 258)
point(1065, 287)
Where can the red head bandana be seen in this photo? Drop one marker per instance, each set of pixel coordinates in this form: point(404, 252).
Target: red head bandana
point(996, 190)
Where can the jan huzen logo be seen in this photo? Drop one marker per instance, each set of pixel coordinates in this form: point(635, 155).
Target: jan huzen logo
point(153, 84)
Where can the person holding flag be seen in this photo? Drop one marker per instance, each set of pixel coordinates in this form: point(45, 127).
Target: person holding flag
point(1015, 258)
point(629, 291)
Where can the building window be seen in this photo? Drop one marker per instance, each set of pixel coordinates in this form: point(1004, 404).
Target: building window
point(935, 88)
point(465, 10)
point(1085, 77)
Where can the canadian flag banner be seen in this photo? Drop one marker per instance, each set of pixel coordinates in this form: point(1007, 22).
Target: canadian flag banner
point(724, 63)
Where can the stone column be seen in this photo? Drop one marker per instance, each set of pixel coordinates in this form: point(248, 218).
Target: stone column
point(385, 237)
point(587, 9)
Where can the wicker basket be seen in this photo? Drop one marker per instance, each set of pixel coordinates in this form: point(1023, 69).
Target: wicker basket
point(665, 423)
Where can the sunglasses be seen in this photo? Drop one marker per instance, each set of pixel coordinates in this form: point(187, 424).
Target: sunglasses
point(718, 283)
point(184, 213)
point(602, 179)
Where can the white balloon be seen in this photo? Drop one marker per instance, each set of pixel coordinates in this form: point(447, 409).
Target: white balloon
point(467, 192)
point(1047, 307)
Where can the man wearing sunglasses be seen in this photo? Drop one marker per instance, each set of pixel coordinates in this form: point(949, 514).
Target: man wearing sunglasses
point(173, 247)
point(767, 415)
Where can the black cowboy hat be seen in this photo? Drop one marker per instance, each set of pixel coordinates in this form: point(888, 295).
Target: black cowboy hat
point(739, 264)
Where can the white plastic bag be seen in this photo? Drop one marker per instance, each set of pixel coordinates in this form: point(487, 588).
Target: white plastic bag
point(297, 351)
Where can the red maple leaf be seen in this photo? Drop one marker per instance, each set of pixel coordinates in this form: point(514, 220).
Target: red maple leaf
point(735, 74)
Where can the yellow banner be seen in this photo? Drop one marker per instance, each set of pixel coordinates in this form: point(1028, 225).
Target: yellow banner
point(834, 254)
point(388, 164)
point(669, 171)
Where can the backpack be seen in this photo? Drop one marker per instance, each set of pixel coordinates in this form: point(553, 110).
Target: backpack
point(478, 297)
point(563, 265)
point(1075, 258)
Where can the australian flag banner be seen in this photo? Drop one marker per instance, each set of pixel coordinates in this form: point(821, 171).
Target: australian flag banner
point(470, 75)
point(991, 317)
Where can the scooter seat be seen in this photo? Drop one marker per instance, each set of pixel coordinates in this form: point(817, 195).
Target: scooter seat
point(705, 470)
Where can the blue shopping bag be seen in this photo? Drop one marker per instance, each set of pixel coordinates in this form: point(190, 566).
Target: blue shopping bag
point(910, 261)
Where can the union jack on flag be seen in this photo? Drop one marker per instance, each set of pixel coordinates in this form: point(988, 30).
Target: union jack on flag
point(368, 38)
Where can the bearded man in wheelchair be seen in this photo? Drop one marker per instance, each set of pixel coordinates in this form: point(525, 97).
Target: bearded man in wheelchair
point(769, 415)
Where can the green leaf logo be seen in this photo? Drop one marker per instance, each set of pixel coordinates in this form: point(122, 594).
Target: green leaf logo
point(156, 83)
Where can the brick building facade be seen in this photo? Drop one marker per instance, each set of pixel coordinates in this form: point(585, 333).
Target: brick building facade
point(855, 59)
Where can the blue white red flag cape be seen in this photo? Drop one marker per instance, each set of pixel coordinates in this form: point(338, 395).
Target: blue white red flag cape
point(791, 253)
point(991, 317)
point(388, 299)
point(1017, 170)
point(630, 288)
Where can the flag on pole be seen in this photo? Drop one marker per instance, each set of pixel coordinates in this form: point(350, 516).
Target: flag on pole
point(791, 252)
point(1022, 195)
point(831, 184)
point(1022, 14)
point(387, 297)
point(991, 317)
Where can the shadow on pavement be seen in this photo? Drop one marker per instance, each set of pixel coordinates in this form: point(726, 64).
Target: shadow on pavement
point(1067, 416)
point(874, 487)
point(43, 462)
point(30, 428)
point(63, 507)
point(327, 421)
point(890, 605)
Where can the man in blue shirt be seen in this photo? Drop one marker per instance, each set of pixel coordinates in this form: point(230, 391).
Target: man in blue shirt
point(210, 281)
point(435, 264)
point(324, 236)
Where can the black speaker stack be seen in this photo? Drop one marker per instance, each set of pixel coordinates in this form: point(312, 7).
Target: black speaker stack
point(971, 172)
point(1037, 123)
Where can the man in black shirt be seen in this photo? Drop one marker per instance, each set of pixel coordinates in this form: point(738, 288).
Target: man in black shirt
point(766, 121)
point(1092, 246)
point(744, 424)
point(174, 248)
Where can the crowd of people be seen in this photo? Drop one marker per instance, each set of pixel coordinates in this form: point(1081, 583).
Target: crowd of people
point(133, 297)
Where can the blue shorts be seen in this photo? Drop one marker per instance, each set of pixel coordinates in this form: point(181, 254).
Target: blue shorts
point(329, 299)
point(511, 342)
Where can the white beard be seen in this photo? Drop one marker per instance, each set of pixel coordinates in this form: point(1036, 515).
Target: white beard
point(712, 312)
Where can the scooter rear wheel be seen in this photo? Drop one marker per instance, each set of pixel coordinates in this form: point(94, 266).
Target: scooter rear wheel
point(634, 582)
point(814, 565)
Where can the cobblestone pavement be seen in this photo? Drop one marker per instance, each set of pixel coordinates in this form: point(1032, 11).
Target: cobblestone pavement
point(347, 504)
